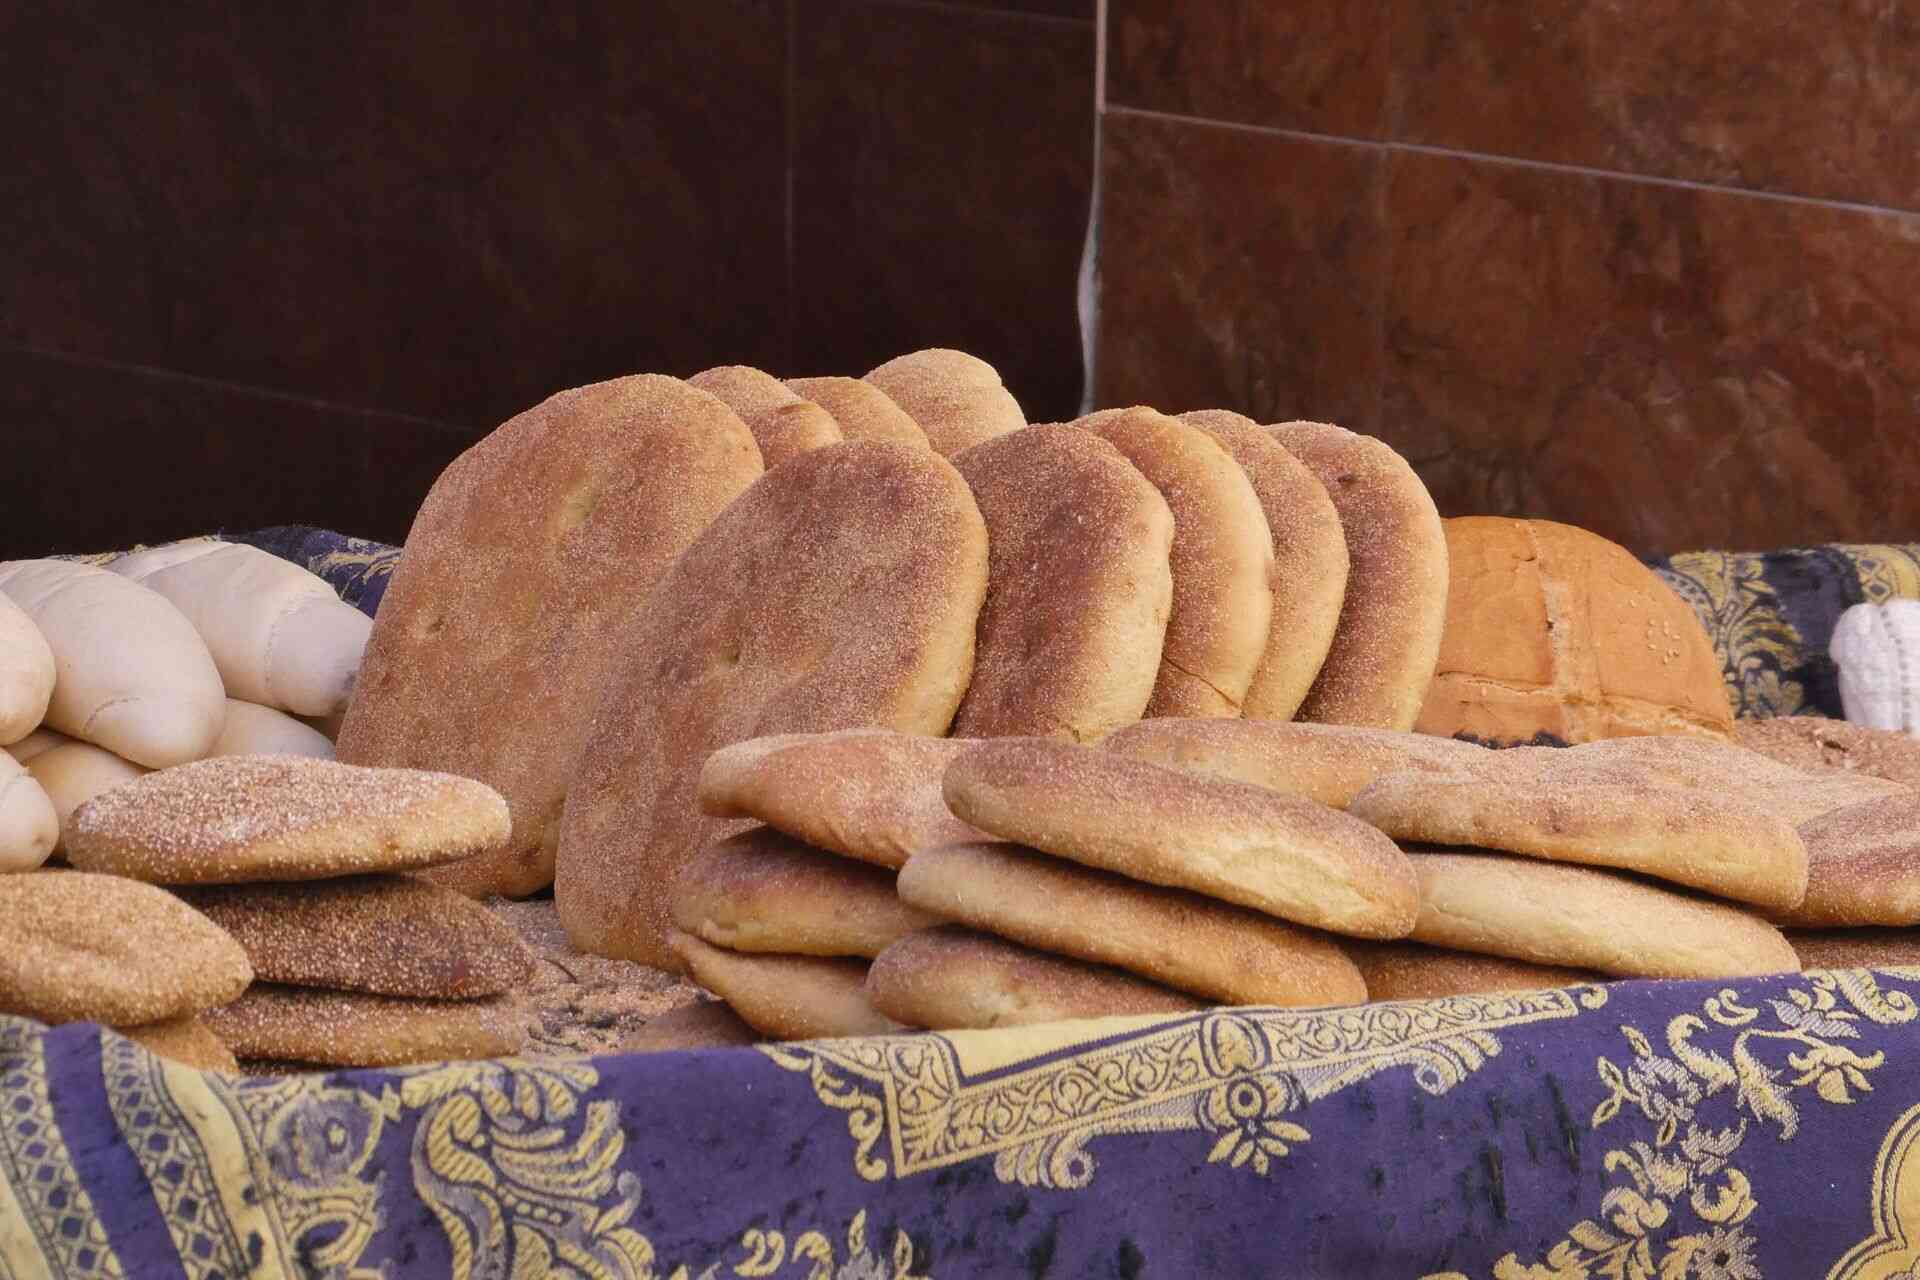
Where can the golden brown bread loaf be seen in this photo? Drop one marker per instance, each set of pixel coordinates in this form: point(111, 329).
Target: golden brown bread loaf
point(870, 794)
point(1221, 560)
point(509, 605)
point(863, 411)
point(1276, 853)
point(763, 891)
point(704, 1024)
point(1863, 866)
point(1384, 649)
point(1416, 971)
point(1856, 948)
point(1811, 743)
point(1554, 633)
point(1179, 939)
point(952, 978)
point(841, 590)
point(785, 997)
point(186, 1041)
point(1079, 585)
point(345, 1029)
point(957, 399)
point(783, 424)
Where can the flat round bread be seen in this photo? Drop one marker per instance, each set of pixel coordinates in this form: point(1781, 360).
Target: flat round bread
point(1222, 562)
point(1388, 641)
point(763, 891)
point(704, 1024)
point(1078, 590)
point(870, 794)
point(840, 591)
point(783, 424)
point(952, 978)
point(1553, 914)
point(957, 399)
point(26, 673)
point(29, 823)
point(1856, 948)
point(1571, 805)
point(1816, 742)
point(1276, 853)
point(864, 411)
point(1415, 971)
point(384, 934)
point(1180, 939)
point(254, 730)
point(512, 598)
point(1863, 866)
point(1672, 761)
point(90, 948)
point(246, 819)
point(1309, 576)
point(1327, 763)
point(343, 1029)
point(186, 1041)
point(786, 997)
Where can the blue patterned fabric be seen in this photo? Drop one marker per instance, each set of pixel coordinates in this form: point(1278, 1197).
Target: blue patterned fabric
point(1663, 1130)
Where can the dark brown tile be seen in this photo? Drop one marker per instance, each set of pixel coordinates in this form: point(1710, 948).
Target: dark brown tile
point(104, 457)
point(1240, 270)
point(1318, 65)
point(431, 206)
point(943, 175)
point(1816, 98)
point(1671, 367)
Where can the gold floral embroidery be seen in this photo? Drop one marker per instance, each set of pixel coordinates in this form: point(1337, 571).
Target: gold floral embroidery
point(1698, 1104)
point(767, 1252)
point(1243, 1076)
point(1757, 645)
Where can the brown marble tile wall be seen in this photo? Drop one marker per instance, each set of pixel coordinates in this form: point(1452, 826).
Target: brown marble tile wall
point(433, 214)
point(1651, 269)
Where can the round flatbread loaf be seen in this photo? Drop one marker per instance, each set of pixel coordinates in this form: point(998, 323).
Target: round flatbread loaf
point(1717, 767)
point(840, 591)
point(344, 1029)
point(1222, 562)
point(1415, 971)
point(29, 824)
point(186, 1041)
point(1179, 939)
point(1863, 866)
point(1078, 590)
point(512, 598)
point(246, 819)
point(1276, 853)
point(785, 997)
point(1388, 641)
point(952, 978)
point(26, 673)
point(870, 794)
point(384, 934)
point(864, 411)
point(783, 424)
point(1856, 948)
point(1572, 804)
point(254, 730)
point(763, 891)
point(134, 675)
point(1326, 763)
point(1549, 913)
point(704, 1024)
point(1811, 743)
point(1309, 577)
point(957, 399)
point(90, 948)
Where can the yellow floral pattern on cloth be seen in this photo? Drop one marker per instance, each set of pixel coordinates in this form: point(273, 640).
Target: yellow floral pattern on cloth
point(1241, 1077)
point(1742, 614)
point(47, 1223)
point(265, 1177)
point(1681, 1208)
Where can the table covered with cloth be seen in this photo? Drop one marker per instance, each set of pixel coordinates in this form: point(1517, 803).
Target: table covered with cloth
point(1668, 1130)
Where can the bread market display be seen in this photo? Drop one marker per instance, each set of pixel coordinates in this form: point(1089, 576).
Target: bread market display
point(1554, 634)
point(784, 424)
point(505, 614)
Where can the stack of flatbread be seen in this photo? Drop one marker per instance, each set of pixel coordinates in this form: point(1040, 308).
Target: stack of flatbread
point(634, 575)
point(300, 866)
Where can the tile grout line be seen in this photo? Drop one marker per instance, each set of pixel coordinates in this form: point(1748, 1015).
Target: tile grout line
point(1513, 162)
point(989, 15)
point(221, 384)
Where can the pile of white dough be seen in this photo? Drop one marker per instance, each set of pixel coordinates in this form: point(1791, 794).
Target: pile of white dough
point(163, 656)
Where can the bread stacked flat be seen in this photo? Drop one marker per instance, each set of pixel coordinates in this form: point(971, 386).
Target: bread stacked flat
point(299, 865)
point(164, 656)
